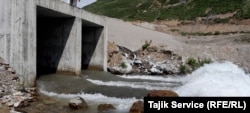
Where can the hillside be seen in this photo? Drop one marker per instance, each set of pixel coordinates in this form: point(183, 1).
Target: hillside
point(180, 17)
point(151, 10)
point(227, 20)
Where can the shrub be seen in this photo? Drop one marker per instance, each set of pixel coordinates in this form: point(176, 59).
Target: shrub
point(192, 63)
point(123, 65)
point(204, 61)
point(183, 69)
point(216, 33)
point(146, 44)
point(174, 30)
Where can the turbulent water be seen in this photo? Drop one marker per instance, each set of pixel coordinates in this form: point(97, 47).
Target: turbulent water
point(216, 79)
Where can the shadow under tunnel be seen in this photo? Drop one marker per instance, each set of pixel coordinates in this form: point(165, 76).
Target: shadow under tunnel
point(90, 37)
point(53, 30)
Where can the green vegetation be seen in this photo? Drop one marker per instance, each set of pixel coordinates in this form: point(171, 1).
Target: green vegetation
point(209, 33)
point(150, 10)
point(193, 64)
point(203, 62)
point(183, 69)
point(146, 44)
point(123, 65)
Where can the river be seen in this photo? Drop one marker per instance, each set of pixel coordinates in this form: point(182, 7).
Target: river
point(216, 79)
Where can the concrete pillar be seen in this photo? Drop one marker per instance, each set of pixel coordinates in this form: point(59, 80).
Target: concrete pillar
point(17, 37)
point(71, 57)
point(23, 36)
point(5, 19)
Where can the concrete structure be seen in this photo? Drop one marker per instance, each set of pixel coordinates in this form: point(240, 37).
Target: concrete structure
point(49, 36)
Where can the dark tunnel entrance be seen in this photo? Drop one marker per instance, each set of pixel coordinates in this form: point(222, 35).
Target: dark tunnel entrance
point(54, 35)
point(91, 34)
point(53, 31)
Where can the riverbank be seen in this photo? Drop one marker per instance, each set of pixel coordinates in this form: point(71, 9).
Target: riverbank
point(230, 47)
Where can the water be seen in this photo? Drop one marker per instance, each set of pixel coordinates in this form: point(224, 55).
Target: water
point(216, 79)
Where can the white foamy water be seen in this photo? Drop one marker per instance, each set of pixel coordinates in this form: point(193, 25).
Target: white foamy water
point(148, 77)
point(143, 85)
point(216, 79)
point(121, 104)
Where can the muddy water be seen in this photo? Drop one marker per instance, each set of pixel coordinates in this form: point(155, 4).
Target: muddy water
point(216, 79)
point(96, 88)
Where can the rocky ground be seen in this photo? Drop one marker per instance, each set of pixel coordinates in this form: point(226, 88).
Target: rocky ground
point(12, 94)
point(152, 60)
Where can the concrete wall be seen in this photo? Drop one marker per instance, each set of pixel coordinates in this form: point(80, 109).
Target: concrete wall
point(18, 37)
point(18, 46)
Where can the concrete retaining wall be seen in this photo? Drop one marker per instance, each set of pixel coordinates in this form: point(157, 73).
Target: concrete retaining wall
point(61, 49)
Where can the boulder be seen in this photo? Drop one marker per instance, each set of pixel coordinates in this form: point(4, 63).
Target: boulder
point(154, 70)
point(112, 48)
point(125, 69)
point(105, 107)
point(170, 68)
point(137, 107)
point(77, 103)
point(162, 93)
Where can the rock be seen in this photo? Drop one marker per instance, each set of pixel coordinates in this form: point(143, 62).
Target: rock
point(18, 93)
point(14, 111)
point(21, 101)
point(121, 70)
point(129, 54)
point(32, 91)
point(152, 49)
point(162, 93)
point(137, 107)
point(167, 52)
point(10, 104)
point(11, 70)
point(143, 61)
point(154, 70)
point(137, 61)
point(14, 76)
point(112, 48)
point(169, 68)
point(17, 104)
point(2, 68)
point(105, 107)
point(77, 103)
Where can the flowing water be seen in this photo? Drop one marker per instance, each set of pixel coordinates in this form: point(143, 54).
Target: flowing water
point(216, 79)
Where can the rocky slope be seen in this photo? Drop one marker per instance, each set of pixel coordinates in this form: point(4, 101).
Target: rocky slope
point(12, 94)
point(230, 47)
point(149, 60)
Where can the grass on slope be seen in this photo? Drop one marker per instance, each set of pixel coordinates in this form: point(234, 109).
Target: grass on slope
point(150, 10)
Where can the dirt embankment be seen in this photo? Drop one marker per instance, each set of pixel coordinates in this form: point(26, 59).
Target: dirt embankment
point(230, 47)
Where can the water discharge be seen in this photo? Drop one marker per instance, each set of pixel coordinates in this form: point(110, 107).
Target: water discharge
point(216, 79)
